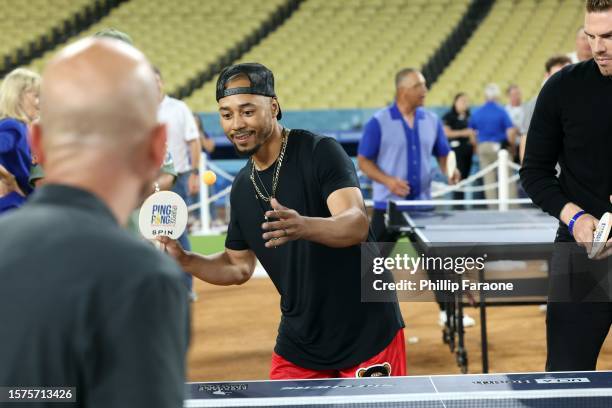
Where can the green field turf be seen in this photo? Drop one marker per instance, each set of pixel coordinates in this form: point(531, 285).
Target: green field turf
point(208, 244)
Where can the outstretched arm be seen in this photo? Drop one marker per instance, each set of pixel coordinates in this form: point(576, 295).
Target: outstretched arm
point(229, 267)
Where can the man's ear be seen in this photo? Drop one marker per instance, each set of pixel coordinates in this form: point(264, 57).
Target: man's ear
point(35, 139)
point(158, 145)
point(275, 107)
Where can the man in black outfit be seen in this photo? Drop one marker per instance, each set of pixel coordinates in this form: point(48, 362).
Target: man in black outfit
point(572, 125)
point(84, 303)
point(297, 207)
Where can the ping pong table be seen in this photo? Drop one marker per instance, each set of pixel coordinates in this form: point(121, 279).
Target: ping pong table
point(518, 234)
point(536, 390)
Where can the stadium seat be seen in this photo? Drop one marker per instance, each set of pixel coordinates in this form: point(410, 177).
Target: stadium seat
point(183, 38)
point(24, 23)
point(511, 46)
point(344, 54)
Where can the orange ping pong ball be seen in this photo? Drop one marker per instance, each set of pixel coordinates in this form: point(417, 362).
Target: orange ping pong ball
point(209, 177)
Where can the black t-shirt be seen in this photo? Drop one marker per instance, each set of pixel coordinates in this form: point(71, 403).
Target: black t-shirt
point(453, 121)
point(571, 125)
point(324, 324)
point(85, 304)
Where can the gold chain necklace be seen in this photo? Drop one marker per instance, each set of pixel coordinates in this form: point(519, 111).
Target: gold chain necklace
point(275, 177)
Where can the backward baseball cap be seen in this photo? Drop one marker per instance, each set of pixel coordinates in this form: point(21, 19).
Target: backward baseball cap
point(261, 78)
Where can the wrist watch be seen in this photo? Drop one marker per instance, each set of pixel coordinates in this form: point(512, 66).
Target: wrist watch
point(195, 171)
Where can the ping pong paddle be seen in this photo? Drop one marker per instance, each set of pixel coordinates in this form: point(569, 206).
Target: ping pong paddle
point(163, 214)
point(451, 164)
point(601, 235)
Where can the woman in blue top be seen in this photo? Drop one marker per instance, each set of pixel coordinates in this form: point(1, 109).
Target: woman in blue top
point(18, 109)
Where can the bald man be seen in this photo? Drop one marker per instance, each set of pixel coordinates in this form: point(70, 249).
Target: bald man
point(89, 305)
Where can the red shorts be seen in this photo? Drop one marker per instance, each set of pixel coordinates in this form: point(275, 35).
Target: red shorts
point(389, 362)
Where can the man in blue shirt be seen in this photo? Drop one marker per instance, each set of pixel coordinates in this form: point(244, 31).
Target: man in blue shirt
point(395, 151)
point(396, 148)
point(495, 131)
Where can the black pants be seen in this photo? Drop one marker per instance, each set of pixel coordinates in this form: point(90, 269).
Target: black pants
point(464, 153)
point(579, 312)
point(575, 333)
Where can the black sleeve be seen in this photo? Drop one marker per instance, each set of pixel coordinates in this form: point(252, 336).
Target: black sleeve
point(140, 353)
point(334, 169)
point(544, 144)
point(234, 239)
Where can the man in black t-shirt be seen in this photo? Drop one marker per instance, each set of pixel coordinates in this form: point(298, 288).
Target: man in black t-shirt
point(297, 207)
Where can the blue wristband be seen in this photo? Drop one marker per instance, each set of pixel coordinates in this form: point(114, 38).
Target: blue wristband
point(570, 226)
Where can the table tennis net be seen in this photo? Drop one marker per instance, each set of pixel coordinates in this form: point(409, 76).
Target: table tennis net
point(583, 398)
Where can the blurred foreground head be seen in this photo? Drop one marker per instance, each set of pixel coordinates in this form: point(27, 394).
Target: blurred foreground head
point(98, 106)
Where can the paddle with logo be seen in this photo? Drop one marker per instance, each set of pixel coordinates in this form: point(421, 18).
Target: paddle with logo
point(163, 214)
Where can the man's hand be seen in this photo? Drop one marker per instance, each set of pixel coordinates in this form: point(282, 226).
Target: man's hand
point(605, 252)
point(175, 250)
point(289, 227)
point(455, 178)
point(194, 184)
point(398, 186)
point(584, 229)
point(8, 184)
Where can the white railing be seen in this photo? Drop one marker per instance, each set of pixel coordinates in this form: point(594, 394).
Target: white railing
point(205, 198)
point(503, 166)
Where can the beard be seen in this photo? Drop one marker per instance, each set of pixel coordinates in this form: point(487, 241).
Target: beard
point(607, 72)
point(259, 141)
point(604, 69)
point(249, 152)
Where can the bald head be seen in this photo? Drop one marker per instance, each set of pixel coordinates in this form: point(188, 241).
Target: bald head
point(99, 92)
point(98, 129)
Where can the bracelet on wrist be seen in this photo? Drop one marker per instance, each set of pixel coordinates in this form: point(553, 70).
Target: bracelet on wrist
point(570, 226)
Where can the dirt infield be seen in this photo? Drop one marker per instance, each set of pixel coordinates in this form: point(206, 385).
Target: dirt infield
point(234, 330)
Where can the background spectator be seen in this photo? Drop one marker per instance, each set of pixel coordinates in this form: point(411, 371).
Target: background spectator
point(494, 130)
point(462, 139)
point(18, 109)
point(516, 111)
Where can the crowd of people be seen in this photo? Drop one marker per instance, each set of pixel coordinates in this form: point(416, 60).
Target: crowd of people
point(105, 309)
